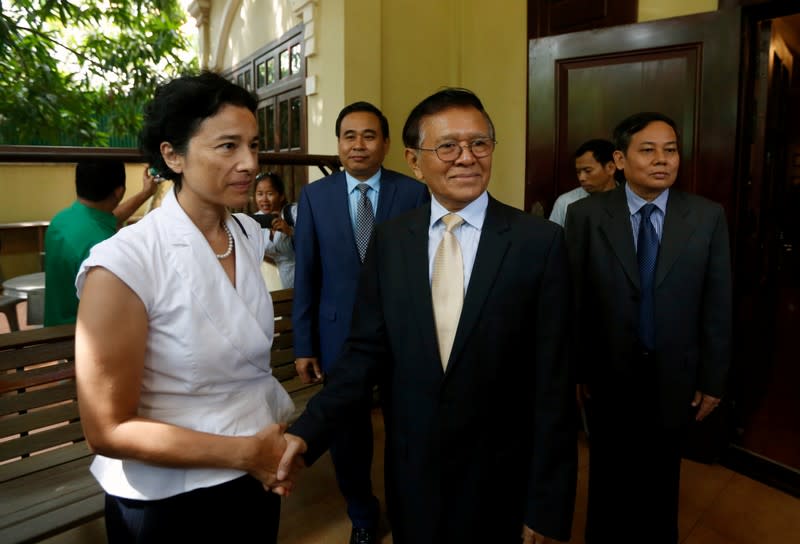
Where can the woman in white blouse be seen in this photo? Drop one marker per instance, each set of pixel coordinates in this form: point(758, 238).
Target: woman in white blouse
point(270, 197)
point(173, 337)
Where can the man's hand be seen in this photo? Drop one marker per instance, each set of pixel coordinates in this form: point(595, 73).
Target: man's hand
point(264, 459)
point(148, 182)
point(291, 461)
point(706, 402)
point(308, 369)
point(529, 536)
point(124, 210)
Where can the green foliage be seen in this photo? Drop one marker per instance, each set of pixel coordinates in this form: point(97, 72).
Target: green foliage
point(67, 64)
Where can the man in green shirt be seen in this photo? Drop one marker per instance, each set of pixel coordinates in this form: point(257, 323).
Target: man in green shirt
point(93, 217)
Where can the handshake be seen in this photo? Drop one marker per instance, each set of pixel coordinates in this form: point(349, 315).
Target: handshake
point(273, 457)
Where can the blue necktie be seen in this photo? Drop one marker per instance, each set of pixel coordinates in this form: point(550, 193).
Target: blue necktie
point(364, 220)
point(647, 253)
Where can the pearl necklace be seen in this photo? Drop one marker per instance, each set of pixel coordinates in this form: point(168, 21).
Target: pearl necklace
point(228, 252)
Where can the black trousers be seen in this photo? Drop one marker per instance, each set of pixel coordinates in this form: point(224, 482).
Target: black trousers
point(236, 511)
point(351, 453)
point(634, 475)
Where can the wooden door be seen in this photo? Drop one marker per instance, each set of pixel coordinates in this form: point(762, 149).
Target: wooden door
point(582, 84)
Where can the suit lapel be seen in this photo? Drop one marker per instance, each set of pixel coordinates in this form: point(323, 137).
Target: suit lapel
point(340, 212)
point(419, 287)
point(616, 226)
point(492, 248)
point(385, 197)
point(678, 227)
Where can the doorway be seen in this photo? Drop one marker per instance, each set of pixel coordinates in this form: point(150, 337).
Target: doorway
point(766, 369)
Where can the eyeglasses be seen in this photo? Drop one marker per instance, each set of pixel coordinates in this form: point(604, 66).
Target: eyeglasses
point(451, 151)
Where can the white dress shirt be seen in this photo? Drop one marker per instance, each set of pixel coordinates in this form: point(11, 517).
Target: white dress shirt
point(468, 233)
point(559, 213)
point(207, 359)
point(354, 195)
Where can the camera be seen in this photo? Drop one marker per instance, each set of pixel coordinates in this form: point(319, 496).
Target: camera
point(265, 219)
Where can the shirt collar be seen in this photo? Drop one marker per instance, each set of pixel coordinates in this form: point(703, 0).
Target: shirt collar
point(635, 202)
point(473, 213)
point(374, 182)
point(103, 217)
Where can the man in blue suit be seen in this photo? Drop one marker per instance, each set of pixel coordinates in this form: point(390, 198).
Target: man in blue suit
point(330, 241)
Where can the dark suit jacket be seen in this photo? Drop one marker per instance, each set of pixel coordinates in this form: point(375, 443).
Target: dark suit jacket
point(692, 300)
point(327, 264)
point(474, 452)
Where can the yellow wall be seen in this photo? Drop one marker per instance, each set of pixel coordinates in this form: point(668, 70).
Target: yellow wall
point(35, 192)
point(419, 57)
point(365, 51)
point(362, 51)
point(498, 74)
point(461, 43)
point(650, 10)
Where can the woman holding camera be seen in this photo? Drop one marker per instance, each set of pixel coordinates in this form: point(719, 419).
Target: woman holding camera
point(270, 197)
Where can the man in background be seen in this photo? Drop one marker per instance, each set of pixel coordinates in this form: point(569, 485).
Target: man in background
point(335, 218)
point(95, 215)
point(594, 165)
point(651, 275)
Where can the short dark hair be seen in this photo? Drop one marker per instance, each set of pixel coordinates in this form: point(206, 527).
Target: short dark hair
point(274, 179)
point(95, 180)
point(602, 150)
point(450, 97)
point(177, 109)
point(629, 126)
point(367, 107)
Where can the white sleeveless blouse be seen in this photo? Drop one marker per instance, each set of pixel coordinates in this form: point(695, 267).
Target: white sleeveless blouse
point(207, 363)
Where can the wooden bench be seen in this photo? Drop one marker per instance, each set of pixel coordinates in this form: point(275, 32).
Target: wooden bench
point(282, 356)
point(45, 484)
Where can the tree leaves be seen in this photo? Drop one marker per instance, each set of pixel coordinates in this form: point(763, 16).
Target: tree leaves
point(70, 68)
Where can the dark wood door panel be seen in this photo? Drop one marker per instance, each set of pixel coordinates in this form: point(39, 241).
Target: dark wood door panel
point(582, 84)
point(652, 80)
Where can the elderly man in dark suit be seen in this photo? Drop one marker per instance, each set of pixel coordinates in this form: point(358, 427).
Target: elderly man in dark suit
point(462, 317)
point(652, 279)
point(335, 218)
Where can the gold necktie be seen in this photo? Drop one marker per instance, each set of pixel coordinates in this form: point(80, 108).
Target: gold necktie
point(447, 287)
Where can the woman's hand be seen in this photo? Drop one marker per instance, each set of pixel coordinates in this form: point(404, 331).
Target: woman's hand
point(266, 457)
point(279, 224)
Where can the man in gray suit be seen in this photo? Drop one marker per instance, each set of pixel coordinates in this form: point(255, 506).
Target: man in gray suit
point(652, 284)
